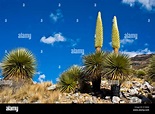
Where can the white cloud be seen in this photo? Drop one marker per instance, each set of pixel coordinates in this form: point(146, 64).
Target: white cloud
point(58, 37)
point(126, 40)
point(147, 4)
point(38, 73)
point(52, 39)
point(57, 79)
point(41, 77)
point(138, 52)
point(129, 1)
point(57, 16)
point(34, 82)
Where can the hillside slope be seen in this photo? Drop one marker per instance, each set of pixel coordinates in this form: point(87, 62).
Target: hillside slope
point(140, 61)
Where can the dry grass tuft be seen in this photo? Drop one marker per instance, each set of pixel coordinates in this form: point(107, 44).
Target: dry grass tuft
point(5, 95)
point(137, 79)
point(35, 93)
point(127, 84)
point(52, 97)
point(153, 84)
point(46, 84)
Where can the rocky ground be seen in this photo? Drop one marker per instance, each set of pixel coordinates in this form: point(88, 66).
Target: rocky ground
point(131, 92)
point(136, 91)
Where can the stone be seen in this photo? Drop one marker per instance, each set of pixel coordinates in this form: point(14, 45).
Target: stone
point(37, 101)
point(81, 97)
point(57, 102)
point(88, 102)
point(107, 97)
point(123, 89)
point(25, 101)
point(153, 96)
point(135, 100)
point(94, 101)
point(12, 101)
point(68, 96)
point(122, 102)
point(76, 94)
point(75, 101)
point(52, 87)
point(146, 85)
point(133, 91)
point(115, 99)
point(137, 84)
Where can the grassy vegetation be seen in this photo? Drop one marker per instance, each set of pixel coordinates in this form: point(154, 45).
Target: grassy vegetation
point(30, 94)
point(68, 80)
point(19, 64)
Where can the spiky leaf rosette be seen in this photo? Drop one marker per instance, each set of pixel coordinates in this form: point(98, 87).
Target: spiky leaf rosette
point(151, 70)
point(117, 66)
point(93, 64)
point(68, 79)
point(18, 64)
point(115, 34)
point(99, 32)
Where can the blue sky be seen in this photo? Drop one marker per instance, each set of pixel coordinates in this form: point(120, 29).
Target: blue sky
point(55, 29)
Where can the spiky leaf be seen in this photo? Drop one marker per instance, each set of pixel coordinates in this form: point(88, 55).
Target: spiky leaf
point(93, 64)
point(68, 79)
point(117, 66)
point(18, 64)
